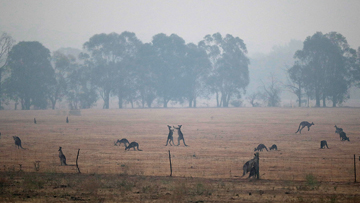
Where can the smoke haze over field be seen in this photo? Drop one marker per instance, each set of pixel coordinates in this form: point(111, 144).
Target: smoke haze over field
point(261, 24)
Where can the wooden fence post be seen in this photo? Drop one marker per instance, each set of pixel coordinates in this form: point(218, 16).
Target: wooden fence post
point(170, 164)
point(354, 168)
point(77, 157)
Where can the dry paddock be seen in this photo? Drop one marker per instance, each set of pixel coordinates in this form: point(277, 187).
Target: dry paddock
point(220, 141)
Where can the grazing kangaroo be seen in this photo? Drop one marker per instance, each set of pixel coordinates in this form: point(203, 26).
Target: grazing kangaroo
point(17, 142)
point(338, 130)
point(62, 157)
point(133, 145)
point(273, 147)
point(67, 119)
point(170, 137)
point(124, 141)
point(249, 165)
point(343, 136)
point(181, 136)
point(260, 147)
point(303, 125)
point(34, 120)
point(323, 143)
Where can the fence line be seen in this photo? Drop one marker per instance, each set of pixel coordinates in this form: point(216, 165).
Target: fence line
point(157, 164)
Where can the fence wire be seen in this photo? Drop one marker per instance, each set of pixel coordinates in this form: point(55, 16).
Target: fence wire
point(340, 169)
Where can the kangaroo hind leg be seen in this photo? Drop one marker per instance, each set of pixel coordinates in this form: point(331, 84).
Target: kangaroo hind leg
point(184, 142)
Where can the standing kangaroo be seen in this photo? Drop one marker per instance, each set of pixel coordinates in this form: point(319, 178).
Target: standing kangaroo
point(170, 137)
point(124, 141)
point(17, 142)
point(133, 145)
point(303, 125)
point(251, 166)
point(62, 157)
point(323, 143)
point(260, 147)
point(338, 130)
point(181, 136)
point(67, 119)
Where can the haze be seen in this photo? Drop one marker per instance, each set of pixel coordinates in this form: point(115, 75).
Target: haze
point(261, 24)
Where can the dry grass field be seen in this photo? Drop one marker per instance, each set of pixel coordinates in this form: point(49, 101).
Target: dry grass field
point(208, 170)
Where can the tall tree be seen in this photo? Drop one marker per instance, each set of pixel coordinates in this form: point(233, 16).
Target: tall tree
point(146, 83)
point(6, 43)
point(355, 72)
point(230, 74)
point(327, 62)
point(62, 65)
point(127, 48)
point(170, 52)
point(31, 74)
point(81, 91)
point(195, 72)
point(104, 57)
point(296, 81)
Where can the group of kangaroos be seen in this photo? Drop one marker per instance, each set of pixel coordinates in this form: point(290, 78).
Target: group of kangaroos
point(251, 165)
point(169, 139)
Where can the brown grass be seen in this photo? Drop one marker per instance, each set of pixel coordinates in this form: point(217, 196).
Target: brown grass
point(220, 142)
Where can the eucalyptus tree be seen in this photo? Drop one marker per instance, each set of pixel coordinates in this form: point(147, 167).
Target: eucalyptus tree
point(343, 60)
point(62, 65)
point(104, 59)
point(170, 54)
point(295, 81)
point(145, 79)
point(196, 69)
point(81, 89)
point(6, 43)
point(355, 72)
point(127, 48)
point(326, 62)
point(113, 57)
point(230, 74)
point(31, 74)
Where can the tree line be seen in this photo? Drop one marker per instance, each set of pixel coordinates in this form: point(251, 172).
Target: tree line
point(325, 69)
point(166, 70)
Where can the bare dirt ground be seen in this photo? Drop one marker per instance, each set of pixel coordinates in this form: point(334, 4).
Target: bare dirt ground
point(220, 142)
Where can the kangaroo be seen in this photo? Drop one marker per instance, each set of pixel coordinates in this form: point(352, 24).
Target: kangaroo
point(133, 145)
point(34, 120)
point(338, 130)
point(181, 136)
point(323, 143)
point(170, 137)
point(67, 119)
point(250, 165)
point(17, 142)
point(124, 141)
point(343, 136)
point(273, 147)
point(260, 147)
point(303, 125)
point(253, 170)
point(62, 157)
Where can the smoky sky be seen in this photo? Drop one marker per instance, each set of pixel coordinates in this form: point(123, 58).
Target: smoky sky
point(261, 24)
